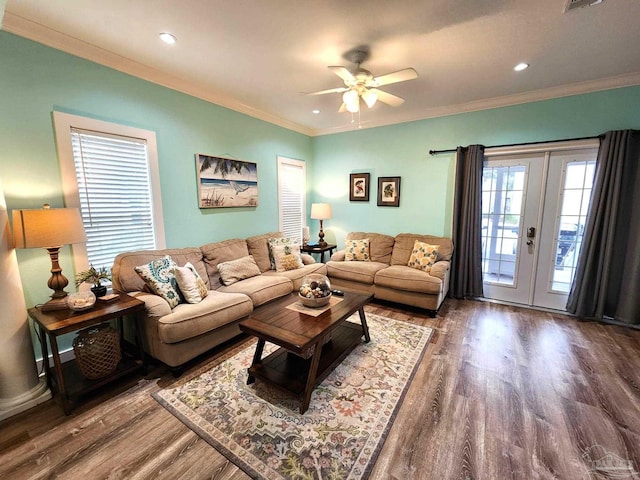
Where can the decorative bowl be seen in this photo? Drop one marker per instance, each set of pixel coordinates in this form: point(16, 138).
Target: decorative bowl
point(315, 291)
point(80, 301)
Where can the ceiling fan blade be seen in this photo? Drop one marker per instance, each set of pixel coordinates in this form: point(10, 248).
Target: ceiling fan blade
point(387, 98)
point(394, 77)
point(331, 90)
point(344, 74)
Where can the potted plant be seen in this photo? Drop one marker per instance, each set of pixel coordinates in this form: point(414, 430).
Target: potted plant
point(95, 277)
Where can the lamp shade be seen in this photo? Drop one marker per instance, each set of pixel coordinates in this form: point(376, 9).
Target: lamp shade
point(320, 211)
point(47, 227)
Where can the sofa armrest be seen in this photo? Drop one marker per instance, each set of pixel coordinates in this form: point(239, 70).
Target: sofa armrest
point(155, 305)
point(440, 269)
point(338, 256)
point(307, 259)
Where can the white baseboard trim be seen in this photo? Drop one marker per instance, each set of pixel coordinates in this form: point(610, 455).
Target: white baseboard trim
point(65, 356)
point(13, 406)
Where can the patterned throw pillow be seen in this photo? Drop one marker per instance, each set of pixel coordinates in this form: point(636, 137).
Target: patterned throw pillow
point(235, 270)
point(191, 285)
point(423, 256)
point(274, 242)
point(158, 275)
point(357, 250)
point(287, 257)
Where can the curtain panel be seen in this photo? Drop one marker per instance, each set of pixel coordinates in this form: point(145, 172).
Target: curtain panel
point(466, 265)
point(607, 281)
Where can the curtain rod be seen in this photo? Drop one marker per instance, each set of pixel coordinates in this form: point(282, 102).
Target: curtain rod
point(451, 150)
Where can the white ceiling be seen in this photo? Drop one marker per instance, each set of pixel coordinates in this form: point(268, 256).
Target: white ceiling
point(259, 56)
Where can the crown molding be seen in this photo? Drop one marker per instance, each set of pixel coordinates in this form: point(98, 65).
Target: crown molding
point(66, 43)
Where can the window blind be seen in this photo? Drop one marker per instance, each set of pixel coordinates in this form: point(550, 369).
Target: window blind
point(291, 193)
point(115, 194)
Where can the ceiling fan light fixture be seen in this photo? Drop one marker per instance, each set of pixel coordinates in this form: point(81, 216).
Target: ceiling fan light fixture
point(370, 98)
point(351, 101)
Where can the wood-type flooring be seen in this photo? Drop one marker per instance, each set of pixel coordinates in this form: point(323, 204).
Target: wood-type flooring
point(502, 393)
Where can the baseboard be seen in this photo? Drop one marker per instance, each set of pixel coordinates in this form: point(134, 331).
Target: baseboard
point(65, 356)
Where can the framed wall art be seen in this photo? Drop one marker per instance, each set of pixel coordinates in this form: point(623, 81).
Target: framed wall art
point(359, 187)
point(388, 191)
point(226, 182)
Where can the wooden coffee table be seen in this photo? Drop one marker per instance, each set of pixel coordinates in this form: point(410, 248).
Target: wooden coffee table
point(311, 347)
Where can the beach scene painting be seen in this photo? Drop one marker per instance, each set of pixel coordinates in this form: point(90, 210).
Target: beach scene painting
point(226, 182)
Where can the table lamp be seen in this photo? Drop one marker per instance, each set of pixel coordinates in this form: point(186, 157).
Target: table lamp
point(321, 211)
point(49, 228)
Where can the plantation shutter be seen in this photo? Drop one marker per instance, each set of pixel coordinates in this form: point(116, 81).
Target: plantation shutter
point(291, 193)
point(114, 187)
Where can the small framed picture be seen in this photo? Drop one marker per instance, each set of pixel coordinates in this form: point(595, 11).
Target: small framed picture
point(388, 191)
point(359, 187)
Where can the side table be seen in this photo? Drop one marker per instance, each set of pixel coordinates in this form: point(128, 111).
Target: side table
point(69, 381)
point(318, 249)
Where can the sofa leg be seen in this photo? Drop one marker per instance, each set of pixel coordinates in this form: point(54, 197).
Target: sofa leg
point(432, 313)
point(176, 371)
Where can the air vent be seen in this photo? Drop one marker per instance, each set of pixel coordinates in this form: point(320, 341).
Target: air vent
point(573, 4)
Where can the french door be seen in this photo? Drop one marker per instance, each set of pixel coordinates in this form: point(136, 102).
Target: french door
point(534, 207)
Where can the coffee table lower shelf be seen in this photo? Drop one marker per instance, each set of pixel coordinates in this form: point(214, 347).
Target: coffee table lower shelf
point(291, 372)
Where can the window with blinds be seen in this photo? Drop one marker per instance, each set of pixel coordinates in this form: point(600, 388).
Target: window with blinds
point(291, 197)
point(110, 172)
point(115, 196)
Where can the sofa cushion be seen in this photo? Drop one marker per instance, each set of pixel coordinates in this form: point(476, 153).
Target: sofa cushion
point(298, 274)
point(259, 247)
point(125, 278)
point(423, 256)
point(362, 272)
point(191, 286)
point(159, 277)
point(380, 245)
point(404, 242)
point(235, 270)
point(357, 250)
point(218, 252)
point(261, 289)
point(189, 320)
point(401, 277)
point(287, 257)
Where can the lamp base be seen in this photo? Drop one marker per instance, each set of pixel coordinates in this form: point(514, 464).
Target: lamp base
point(59, 303)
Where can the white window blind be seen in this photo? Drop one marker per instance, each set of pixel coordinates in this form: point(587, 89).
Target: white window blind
point(291, 197)
point(114, 189)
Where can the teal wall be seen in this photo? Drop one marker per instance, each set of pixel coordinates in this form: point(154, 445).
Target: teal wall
point(426, 194)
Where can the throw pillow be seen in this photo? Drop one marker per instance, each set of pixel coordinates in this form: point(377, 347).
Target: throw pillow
point(235, 270)
point(274, 242)
point(287, 257)
point(423, 256)
point(191, 285)
point(357, 250)
point(158, 275)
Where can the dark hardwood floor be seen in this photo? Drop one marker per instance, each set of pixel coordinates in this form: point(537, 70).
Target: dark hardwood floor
point(502, 393)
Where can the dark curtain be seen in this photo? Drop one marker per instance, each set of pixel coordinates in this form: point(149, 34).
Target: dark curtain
point(607, 282)
point(466, 265)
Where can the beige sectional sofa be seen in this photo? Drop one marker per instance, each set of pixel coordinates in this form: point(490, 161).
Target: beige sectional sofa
point(387, 275)
point(175, 336)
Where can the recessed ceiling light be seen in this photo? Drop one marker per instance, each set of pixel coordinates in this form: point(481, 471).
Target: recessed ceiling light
point(168, 38)
point(521, 66)
point(315, 112)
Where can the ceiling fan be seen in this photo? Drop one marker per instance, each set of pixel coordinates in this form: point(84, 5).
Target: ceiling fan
point(360, 83)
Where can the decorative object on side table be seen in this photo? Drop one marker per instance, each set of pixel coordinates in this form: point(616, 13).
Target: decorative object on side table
point(95, 277)
point(388, 191)
point(315, 290)
point(321, 211)
point(50, 228)
point(81, 301)
point(359, 187)
point(97, 351)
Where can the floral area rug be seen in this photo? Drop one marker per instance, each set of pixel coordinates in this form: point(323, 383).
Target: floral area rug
point(260, 429)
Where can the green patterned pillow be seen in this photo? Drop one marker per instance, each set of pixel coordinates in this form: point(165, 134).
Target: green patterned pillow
point(274, 242)
point(287, 257)
point(423, 256)
point(191, 285)
point(357, 250)
point(158, 275)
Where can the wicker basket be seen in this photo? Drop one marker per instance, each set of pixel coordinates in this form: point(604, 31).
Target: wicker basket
point(97, 351)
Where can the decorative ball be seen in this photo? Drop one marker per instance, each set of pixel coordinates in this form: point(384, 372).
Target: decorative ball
point(315, 290)
point(80, 301)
